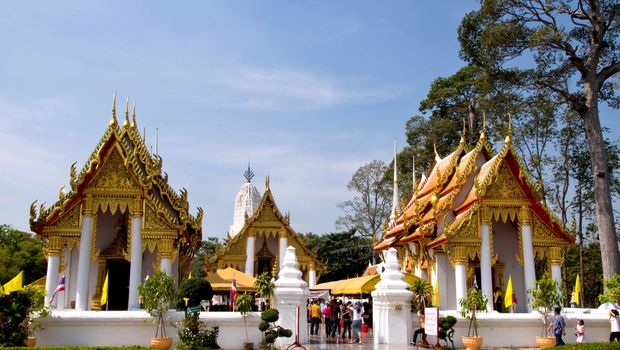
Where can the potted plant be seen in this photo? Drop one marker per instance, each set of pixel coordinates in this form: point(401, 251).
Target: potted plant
point(244, 306)
point(264, 287)
point(446, 329)
point(544, 296)
point(36, 310)
point(158, 295)
point(474, 302)
point(195, 334)
point(270, 330)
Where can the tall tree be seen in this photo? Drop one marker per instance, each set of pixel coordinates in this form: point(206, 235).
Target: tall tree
point(574, 45)
point(20, 251)
point(371, 205)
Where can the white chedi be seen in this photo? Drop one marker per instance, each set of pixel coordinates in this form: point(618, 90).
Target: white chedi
point(246, 203)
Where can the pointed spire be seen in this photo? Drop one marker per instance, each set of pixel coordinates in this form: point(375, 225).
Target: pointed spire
point(133, 115)
point(113, 119)
point(267, 182)
point(463, 132)
point(395, 194)
point(483, 135)
point(413, 172)
point(248, 174)
point(509, 131)
point(437, 157)
point(126, 121)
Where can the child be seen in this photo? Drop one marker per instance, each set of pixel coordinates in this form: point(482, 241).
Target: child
point(580, 330)
point(614, 319)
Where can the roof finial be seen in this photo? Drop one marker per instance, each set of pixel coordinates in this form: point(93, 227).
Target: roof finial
point(113, 120)
point(267, 182)
point(126, 121)
point(248, 174)
point(133, 115)
point(437, 157)
point(509, 131)
point(464, 132)
point(413, 167)
point(395, 194)
point(484, 126)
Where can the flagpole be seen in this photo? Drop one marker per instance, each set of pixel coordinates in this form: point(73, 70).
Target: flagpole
point(107, 302)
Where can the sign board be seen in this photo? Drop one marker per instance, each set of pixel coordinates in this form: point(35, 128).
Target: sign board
point(431, 321)
point(193, 309)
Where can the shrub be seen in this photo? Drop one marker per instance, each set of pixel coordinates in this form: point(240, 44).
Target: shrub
point(446, 330)
point(589, 346)
point(19, 311)
point(196, 290)
point(270, 331)
point(474, 301)
point(196, 335)
point(612, 295)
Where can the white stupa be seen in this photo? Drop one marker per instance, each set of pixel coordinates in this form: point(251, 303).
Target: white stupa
point(246, 203)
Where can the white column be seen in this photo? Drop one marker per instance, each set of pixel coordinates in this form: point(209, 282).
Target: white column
point(53, 262)
point(460, 280)
point(63, 302)
point(485, 265)
point(249, 256)
point(166, 266)
point(283, 243)
point(311, 277)
point(135, 270)
point(81, 298)
point(556, 273)
point(529, 271)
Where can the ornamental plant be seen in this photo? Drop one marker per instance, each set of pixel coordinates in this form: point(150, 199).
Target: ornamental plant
point(264, 286)
point(196, 335)
point(270, 331)
point(19, 312)
point(446, 329)
point(544, 296)
point(422, 292)
point(474, 302)
point(612, 295)
point(243, 304)
point(158, 295)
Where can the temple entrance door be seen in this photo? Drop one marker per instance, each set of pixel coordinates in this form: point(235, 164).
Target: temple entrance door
point(118, 284)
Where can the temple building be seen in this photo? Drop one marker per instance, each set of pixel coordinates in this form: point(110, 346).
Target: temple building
point(475, 219)
point(120, 219)
point(259, 236)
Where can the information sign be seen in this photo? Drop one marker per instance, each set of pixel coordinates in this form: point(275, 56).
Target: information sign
point(431, 321)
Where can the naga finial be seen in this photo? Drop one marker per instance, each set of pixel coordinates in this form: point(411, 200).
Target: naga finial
point(33, 212)
point(126, 121)
point(73, 175)
point(248, 174)
point(113, 120)
point(61, 192)
point(133, 115)
point(509, 130)
point(437, 157)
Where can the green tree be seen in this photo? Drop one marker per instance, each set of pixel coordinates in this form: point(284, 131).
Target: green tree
point(20, 251)
point(346, 254)
point(574, 46)
point(208, 248)
point(371, 205)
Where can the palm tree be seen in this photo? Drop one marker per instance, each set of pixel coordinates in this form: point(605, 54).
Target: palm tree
point(422, 291)
point(264, 286)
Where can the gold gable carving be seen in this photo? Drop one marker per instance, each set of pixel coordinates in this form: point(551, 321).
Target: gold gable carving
point(542, 234)
point(154, 224)
point(114, 174)
point(67, 223)
point(505, 188)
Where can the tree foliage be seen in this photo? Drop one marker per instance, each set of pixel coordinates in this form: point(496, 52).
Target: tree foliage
point(20, 251)
point(371, 202)
point(346, 254)
point(208, 248)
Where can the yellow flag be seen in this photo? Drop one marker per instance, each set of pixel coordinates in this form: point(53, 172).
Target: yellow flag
point(104, 291)
point(190, 276)
point(14, 284)
point(436, 294)
point(508, 296)
point(576, 292)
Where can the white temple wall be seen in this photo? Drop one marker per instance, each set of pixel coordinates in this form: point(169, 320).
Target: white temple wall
point(71, 279)
point(506, 245)
point(451, 290)
point(446, 284)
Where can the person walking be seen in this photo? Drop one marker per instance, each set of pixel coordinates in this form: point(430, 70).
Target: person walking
point(334, 317)
point(420, 330)
point(558, 326)
point(326, 312)
point(315, 318)
point(358, 312)
point(614, 321)
point(346, 320)
point(580, 331)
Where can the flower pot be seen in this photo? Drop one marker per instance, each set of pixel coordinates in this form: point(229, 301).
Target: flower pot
point(545, 342)
point(161, 343)
point(472, 343)
point(248, 346)
point(30, 341)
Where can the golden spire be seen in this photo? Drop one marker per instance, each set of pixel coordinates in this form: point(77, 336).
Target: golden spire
point(126, 121)
point(267, 182)
point(484, 126)
point(464, 132)
point(113, 120)
point(437, 157)
point(133, 115)
point(509, 131)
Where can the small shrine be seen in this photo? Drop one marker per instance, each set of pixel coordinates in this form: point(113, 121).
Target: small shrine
point(475, 219)
point(119, 219)
point(259, 236)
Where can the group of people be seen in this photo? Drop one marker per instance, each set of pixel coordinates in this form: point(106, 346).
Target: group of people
point(558, 326)
point(335, 313)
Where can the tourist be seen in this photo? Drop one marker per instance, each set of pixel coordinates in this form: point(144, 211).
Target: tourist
point(614, 320)
point(326, 311)
point(497, 299)
point(558, 326)
point(346, 320)
point(420, 330)
point(580, 331)
point(315, 318)
point(334, 317)
point(358, 312)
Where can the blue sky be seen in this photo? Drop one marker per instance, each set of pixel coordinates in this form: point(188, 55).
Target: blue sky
point(308, 91)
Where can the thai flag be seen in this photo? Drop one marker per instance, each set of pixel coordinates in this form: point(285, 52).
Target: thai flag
point(233, 293)
point(59, 287)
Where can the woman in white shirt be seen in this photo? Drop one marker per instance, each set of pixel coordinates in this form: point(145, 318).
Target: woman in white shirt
point(358, 311)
